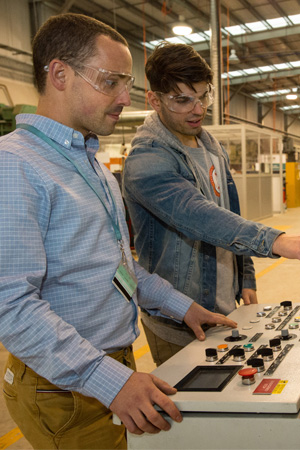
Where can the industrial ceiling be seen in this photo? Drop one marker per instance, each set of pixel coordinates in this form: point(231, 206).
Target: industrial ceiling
point(264, 34)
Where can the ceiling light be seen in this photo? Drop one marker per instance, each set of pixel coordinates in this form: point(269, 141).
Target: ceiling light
point(182, 28)
point(291, 96)
point(233, 58)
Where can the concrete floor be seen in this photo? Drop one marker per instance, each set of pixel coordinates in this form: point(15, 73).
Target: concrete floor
point(277, 280)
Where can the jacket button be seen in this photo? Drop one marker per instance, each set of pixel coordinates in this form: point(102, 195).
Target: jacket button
point(206, 291)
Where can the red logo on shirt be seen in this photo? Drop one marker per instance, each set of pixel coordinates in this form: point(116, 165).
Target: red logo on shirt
point(214, 181)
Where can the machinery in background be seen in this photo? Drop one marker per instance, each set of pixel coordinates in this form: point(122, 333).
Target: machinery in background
point(8, 114)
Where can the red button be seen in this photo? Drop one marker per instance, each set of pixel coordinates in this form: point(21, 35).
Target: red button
point(247, 373)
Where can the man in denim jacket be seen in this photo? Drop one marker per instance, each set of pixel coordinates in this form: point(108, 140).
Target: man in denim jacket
point(183, 202)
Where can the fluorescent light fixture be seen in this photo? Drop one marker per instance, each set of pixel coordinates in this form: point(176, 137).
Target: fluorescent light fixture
point(251, 71)
point(235, 30)
point(266, 68)
point(270, 93)
point(236, 73)
point(282, 66)
point(196, 37)
point(295, 18)
point(283, 91)
point(224, 75)
point(277, 23)
point(175, 40)
point(155, 43)
point(208, 32)
point(295, 63)
point(256, 26)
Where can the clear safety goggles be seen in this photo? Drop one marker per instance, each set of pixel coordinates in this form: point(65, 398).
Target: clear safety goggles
point(105, 81)
point(183, 103)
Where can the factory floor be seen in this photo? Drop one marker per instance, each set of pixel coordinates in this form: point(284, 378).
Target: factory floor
point(277, 280)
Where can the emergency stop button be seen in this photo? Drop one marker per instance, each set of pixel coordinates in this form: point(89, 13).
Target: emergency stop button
point(248, 375)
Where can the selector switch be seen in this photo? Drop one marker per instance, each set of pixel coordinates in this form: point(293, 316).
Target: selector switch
point(282, 313)
point(238, 354)
point(257, 363)
point(287, 305)
point(211, 354)
point(248, 375)
point(235, 336)
point(266, 353)
point(275, 344)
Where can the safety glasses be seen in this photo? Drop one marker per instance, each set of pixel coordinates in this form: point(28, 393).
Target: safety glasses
point(183, 103)
point(105, 81)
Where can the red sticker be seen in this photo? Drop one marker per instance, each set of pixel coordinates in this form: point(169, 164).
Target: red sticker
point(267, 386)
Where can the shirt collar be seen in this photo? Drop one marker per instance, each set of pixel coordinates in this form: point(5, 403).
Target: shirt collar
point(59, 133)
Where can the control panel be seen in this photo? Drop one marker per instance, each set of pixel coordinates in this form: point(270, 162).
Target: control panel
point(254, 368)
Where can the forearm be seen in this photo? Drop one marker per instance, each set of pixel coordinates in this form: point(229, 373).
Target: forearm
point(159, 297)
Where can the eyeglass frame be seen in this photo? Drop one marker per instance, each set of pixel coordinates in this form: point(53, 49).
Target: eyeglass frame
point(99, 69)
point(210, 92)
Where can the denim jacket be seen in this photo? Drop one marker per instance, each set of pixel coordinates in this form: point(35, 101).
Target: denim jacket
point(176, 228)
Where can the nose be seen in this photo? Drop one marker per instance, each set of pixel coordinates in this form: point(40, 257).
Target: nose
point(124, 98)
point(198, 108)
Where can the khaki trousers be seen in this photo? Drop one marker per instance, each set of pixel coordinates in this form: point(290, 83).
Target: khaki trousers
point(51, 418)
point(160, 349)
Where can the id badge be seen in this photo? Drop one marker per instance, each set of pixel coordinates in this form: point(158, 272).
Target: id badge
point(125, 281)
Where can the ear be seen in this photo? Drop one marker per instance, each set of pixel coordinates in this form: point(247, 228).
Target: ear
point(154, 101)
point(58, 72)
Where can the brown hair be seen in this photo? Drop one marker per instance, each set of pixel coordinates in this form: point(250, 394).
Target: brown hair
point(70, 38)
point(170, 64)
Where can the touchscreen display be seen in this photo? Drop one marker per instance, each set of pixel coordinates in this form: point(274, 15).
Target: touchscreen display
point(207, 378)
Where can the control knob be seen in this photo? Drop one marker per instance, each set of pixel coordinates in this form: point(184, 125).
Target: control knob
point(238, 354)
point(287, 305)
point(285, 335)
point(257, 363)
point(275, 344)
point(266, 353)
point(211, 354)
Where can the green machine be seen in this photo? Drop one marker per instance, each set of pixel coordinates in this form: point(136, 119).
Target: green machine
point(8, 115)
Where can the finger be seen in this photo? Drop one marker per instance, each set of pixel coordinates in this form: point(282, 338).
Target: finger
point(223, 320)
point(150, 421)
point(169, 407)
point(131, 426)
point(199, 333)
point(246, 301)
point(163, 386)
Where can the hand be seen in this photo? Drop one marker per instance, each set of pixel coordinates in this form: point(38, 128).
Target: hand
point(287, 246)
point(197, 315)
point(134, 404)
point(249, 296)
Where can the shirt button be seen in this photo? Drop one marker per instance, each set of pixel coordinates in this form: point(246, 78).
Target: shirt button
point(75, 135)
point(67, 142)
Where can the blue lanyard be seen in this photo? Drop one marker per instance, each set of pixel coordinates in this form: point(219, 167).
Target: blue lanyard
point(49, 141)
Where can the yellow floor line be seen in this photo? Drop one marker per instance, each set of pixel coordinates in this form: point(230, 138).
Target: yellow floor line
point(140, 352)
point(268, 269)
point(282, 227)
point(10, 438)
